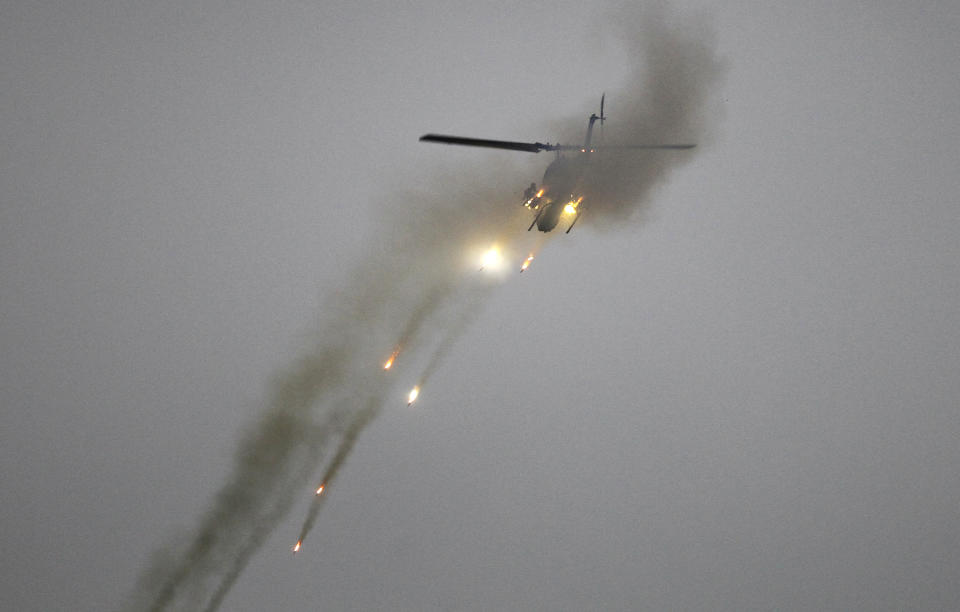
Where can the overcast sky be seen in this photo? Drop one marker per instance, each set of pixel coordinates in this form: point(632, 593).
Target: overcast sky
point(743, 397)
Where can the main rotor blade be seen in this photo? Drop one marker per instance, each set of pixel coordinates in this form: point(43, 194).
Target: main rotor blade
point(536, 147)
point(530, 147)
point(628, 147)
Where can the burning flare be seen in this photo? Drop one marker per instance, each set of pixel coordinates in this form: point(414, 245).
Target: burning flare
point(320, 490)
point(412, 397)
point(526, 262)
point(389, 363)
point(572, 206)
point(296, 547)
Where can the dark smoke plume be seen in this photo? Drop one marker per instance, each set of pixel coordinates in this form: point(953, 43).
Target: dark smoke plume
point(669, 97)
point(391, 296)
point(359, 422)
point(412, 272)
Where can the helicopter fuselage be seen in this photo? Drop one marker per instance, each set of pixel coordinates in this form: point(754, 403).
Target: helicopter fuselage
point(561, 190)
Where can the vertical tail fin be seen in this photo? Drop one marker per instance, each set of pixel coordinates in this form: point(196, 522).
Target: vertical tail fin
point(593, 119)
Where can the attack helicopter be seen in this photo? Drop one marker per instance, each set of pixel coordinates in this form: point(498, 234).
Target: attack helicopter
point(562, 189)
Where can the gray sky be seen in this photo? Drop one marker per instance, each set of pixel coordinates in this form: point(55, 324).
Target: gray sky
point(743, 398)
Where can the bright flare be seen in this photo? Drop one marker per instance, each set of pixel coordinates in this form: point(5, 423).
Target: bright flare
point(490, 258)
point(296, 547)
point(526, 262)
point(320, 490)
point(572, 205)
point(413, 395)
point(389, 362)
